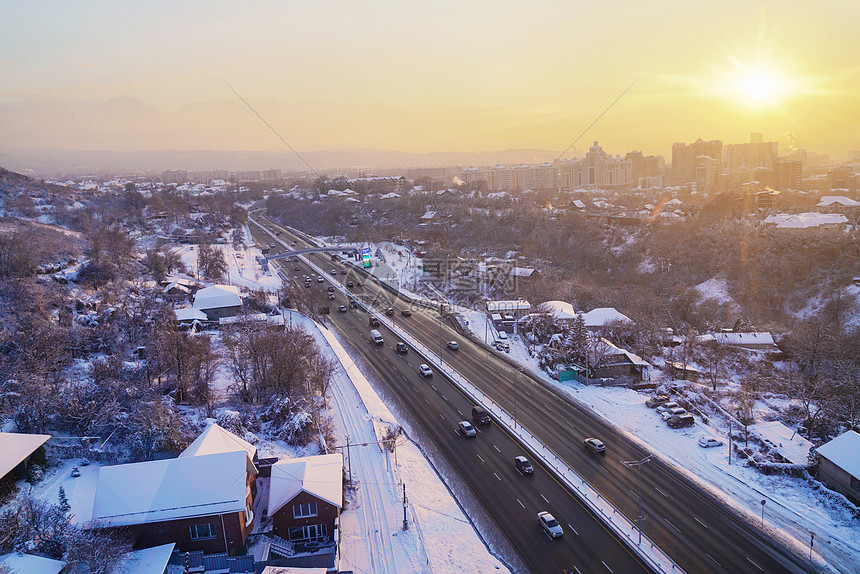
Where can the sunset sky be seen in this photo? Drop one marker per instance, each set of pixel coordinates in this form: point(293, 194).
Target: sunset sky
point(427, 76)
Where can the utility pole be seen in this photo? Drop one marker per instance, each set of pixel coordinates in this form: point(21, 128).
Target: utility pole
point(638, 464)
point(348, 462)
point(730, 441)
point(405, 523)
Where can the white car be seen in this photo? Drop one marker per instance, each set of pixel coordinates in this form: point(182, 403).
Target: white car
point(708, 442)
point(667, 414)
point(550, 525)
point(667, 406)
point(453, 345)
point(425, 370)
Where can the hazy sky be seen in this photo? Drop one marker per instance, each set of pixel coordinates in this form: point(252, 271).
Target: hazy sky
point(427, 76)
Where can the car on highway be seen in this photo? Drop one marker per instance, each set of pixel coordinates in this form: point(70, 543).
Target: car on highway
point(343, 271)
point(595, 445)
point(709, 441)
point(480, 415)
point(342, 309)
point(672, 412)
point(307, 283)
point(334, 271)
point(523, 465)
point(350, 284)
point(549, 524)
point(424, 370)
point(353, 303)
point(466, 429)
point(401, 347)
point(374, 322)
point(320, 279)
point(656, 401)
point(406, 313)
point(678, 421)
point(667, 406)
point(297, 268)
point(331, 296)
point(390, 311)
point(453, 345)
point(331, 288)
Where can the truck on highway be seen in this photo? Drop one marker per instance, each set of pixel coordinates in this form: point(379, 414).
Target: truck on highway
point(376, 336)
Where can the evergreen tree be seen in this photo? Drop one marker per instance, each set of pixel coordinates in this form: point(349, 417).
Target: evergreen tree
point(64, 501)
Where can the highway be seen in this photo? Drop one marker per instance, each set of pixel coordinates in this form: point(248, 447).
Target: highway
point(698, 531)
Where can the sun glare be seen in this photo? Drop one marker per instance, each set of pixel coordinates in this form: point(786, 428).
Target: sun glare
point(760, 88)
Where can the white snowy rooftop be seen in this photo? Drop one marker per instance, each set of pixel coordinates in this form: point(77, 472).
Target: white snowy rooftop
point(215, 439)
point(29, 564)
point(515, 305)
point(291, 570)
point(189, 314)
point(844, 452)
point(14, 448)
point(559, 309)
point(828, 200)
point(805, 220)
point(522, 272)
point(159, 490)
point(761, 338)
point(147, 561)
point(790, 445)
point(603, 316)
point(217, 296)
point(321, 476)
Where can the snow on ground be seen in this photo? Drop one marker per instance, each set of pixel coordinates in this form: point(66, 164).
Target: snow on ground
point(716, 288)
point(440, 539)
point(793, 508)
point(80, 491)
point(244, 270)
point(402, 260)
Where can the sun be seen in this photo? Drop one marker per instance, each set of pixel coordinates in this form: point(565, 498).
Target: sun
point(760, 88)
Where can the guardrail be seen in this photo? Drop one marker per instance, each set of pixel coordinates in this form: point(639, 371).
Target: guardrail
point(617, 521)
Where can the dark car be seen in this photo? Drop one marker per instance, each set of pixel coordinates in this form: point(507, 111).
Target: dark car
point(406, 313)
point(350, 284)
point(297, 268)
point(331, 296)
point(374, 322)
point(595, 445)
point(523, 465)
point(389, 311)
point(401, 347)
point(353, 303)
point(331, 289)
point(678, 421)
point(481, 415)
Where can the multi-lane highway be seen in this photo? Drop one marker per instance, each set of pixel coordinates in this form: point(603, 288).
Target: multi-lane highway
point(698, 531)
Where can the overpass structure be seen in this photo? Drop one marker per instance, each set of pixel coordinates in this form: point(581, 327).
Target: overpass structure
point(307, 250)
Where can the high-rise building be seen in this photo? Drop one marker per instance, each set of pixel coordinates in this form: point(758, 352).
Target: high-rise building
point(597, 170)
point(787, 174)
point(685, 157)
point(707, 171)
point(750, 156)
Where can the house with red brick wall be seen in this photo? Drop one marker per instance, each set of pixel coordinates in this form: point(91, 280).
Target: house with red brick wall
point(306, 496)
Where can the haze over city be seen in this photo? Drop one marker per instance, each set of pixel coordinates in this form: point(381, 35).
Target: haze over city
point(425, 77)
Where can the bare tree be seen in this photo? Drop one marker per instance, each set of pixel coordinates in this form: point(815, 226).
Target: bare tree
point(211, 262)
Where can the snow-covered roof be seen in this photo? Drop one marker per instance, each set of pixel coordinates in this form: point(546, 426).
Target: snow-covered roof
point(805, 220)
point(522, 272)
point(609, 350)
point(391, 195)
point(292, 570)
point(741, 339)
point(839, 200)
point(384, 270)
point(14, 448)
point(189, 314)
point(147, 561)
point(217, 296)
point(578, 203)
point(790, 445)
point(216, 439)
point(321, 476)
point(429, 215)
point(603, 316)
point(273, 319)
point(844, 452)
point(29, 564)
point(559, 309)
point(176, 285)
point(501, 306)
point(159, 490)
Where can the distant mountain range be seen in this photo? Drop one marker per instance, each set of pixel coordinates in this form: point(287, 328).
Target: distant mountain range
point(50, 163)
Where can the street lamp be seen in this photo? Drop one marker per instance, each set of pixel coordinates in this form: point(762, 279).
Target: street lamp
point(638, 464)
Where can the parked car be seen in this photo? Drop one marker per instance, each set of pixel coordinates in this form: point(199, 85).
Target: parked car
point(678, 421)
point(466, 429)
point(425, 370)
point(85, 462)
point(523, 465)
point(655, 402)
point(502, 346)
point(503, 335)
point(453, 345)
point(708, 442)
point(406, 313)
point(667, 406)
point(342, 309)
point(595, 445)
point(481, 415)
point(550, 525)
point(75, 472)
point(401, 347)
point(672, 412)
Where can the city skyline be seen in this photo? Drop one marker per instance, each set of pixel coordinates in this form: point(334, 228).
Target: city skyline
point(427, 78)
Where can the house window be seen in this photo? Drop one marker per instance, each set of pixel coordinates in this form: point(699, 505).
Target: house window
point(305, 510)
point(249, 515)
point(202, 531)
point(855, 483)
point(311, 532)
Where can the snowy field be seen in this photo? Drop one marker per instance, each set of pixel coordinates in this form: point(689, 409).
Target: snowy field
point(793, 508)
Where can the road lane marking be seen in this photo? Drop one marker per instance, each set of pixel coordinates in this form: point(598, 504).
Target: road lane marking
point(459, 411)
point(497, 476)
point(607, 566)
point(572, 529)
point(753, 563)
point(425, 400)
point(521, 504)
point(661, 492)
point(577, 570)
point(434, 388)
point(672, 525)
point(700, 522)
point(441, 415)
point(544, 498)
point(444, 397)
point(479, 456)
point(714, 559)
point(494, 446)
